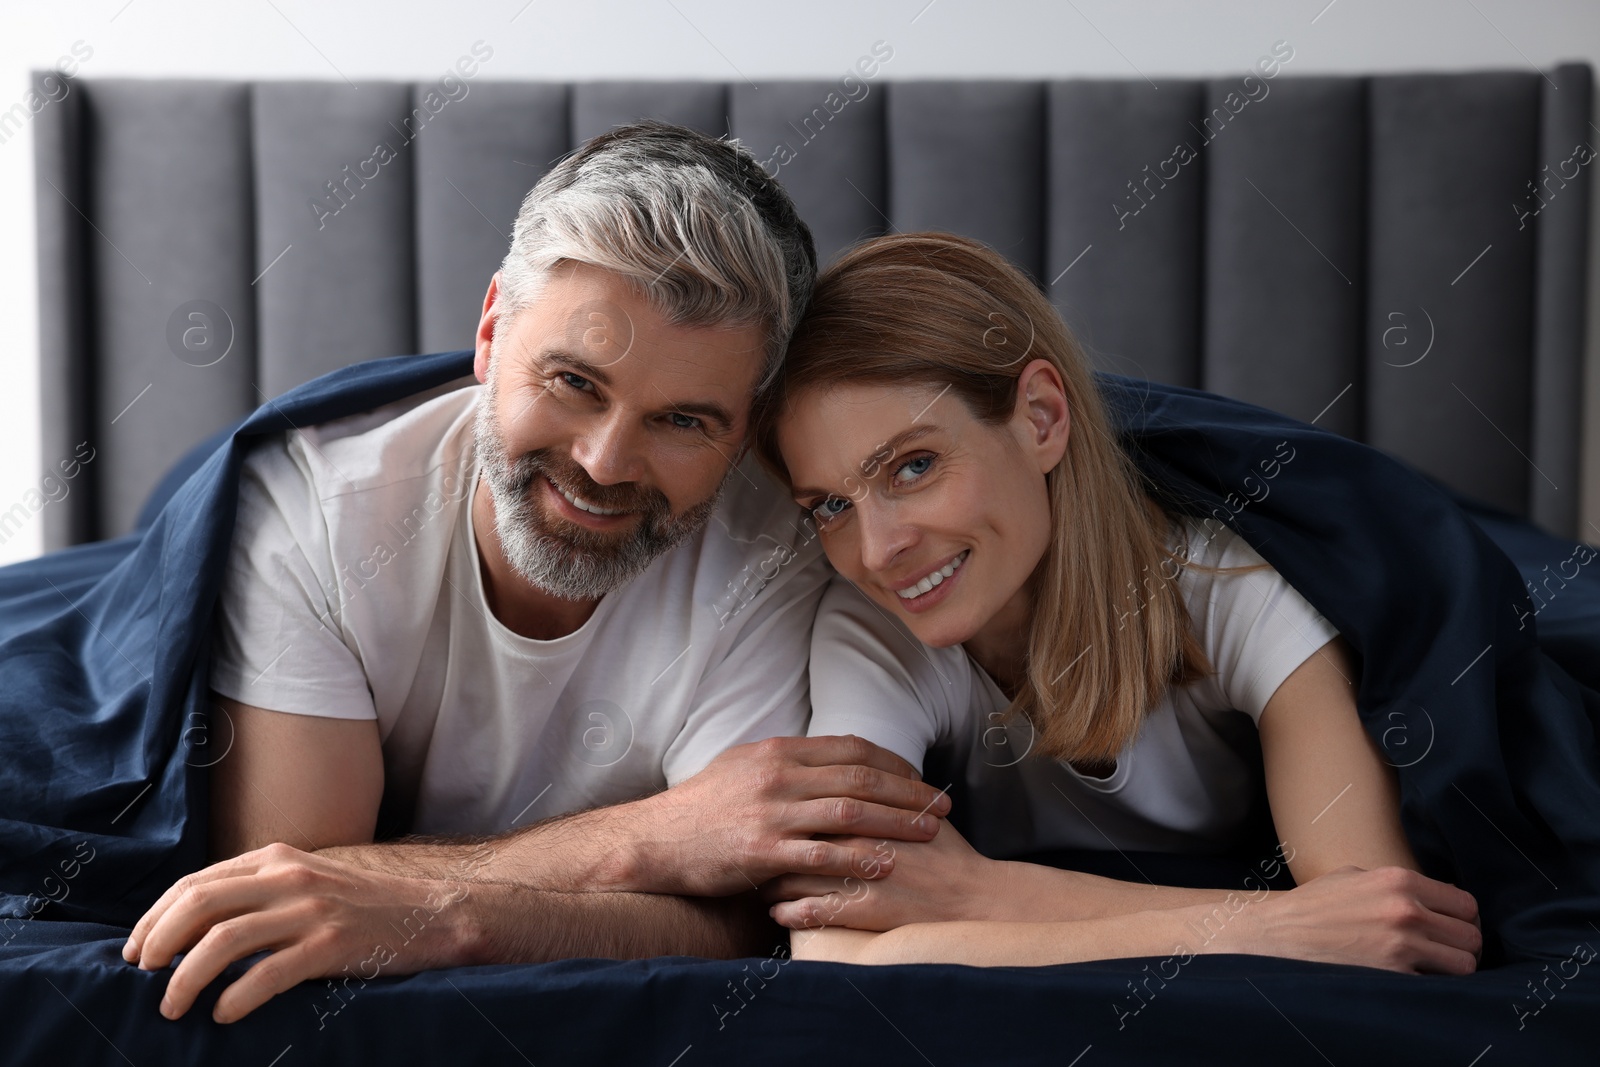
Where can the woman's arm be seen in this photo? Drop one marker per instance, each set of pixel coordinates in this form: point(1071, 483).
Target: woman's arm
point(1334, 799)
point(1000, 944)
point(867, 678)
point(1392, 919)
point(1334, 803)
point(946, 880)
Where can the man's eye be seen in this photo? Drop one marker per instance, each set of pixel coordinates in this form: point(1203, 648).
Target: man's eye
point(830, 509)
point(684, 422)
point(576, 381)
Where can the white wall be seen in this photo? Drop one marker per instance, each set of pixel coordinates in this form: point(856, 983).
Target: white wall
point(726, 39)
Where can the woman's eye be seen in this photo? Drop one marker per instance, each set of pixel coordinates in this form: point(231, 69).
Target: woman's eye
point(913, 468)
point(684, 422)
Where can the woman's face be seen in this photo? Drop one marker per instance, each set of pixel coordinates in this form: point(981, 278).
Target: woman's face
point(937, 517)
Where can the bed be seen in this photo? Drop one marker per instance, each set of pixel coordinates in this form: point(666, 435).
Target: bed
point(1407, 522)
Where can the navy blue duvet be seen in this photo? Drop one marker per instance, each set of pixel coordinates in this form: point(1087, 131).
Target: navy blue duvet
point(1485, 698)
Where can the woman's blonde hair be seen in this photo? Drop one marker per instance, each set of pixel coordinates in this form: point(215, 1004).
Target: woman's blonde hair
point(1110, 630)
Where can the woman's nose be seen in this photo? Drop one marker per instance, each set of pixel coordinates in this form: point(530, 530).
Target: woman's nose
point(883, 536)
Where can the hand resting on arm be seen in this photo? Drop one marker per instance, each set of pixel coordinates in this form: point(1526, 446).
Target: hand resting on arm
point(1334, 802)
point(599, 883)
point(749, 816)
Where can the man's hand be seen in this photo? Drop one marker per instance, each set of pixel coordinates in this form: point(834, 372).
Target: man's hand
point(940, 880)
point(1390, 917)
point(318, 917)
point(754, 812)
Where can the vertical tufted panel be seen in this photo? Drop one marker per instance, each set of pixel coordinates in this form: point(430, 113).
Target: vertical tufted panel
point(1561, 225)
point(168, 195)
point(599, 106)
point(153, 194)
point(823, 140)
point(475, 162)
point(67, 383)
point(968, 157)
point(1285, 269)
point(1444, 248)
point(1123, 252)
point(334, 237)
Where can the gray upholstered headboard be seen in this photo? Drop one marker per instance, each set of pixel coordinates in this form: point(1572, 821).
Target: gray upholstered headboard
point(1366, 252)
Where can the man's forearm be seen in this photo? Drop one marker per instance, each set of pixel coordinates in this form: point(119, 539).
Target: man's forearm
point(605, 850)
point(755, 812)
point(495, 923)
point(587, 851)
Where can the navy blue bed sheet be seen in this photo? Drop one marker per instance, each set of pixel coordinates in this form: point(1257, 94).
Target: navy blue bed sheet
point(1485, 698)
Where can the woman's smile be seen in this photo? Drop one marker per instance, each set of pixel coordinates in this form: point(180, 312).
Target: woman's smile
point(921, 593)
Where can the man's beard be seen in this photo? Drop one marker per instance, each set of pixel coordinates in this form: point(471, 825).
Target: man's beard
point(562, 558)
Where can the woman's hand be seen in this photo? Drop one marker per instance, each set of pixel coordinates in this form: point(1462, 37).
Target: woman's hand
point(933, 881)
point(1391, 918)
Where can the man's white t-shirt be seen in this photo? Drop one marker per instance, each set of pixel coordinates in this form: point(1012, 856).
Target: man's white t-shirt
point(353, 591)
point(1188, 781)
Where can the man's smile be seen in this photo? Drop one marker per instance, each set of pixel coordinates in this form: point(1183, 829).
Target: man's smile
point(575, 509)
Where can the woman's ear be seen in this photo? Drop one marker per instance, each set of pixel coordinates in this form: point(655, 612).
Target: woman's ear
point(1043, 418)
point(486, 320)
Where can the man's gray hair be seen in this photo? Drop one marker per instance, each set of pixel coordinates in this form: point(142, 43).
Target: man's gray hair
point(708, 236)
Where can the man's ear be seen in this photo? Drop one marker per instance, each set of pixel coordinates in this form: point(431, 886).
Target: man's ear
point(486, 322)
point(1042, 419)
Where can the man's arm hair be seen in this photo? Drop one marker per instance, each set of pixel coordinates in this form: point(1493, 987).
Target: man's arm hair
point(513, 924)
point(553, 890)
point(577, 852)
point(756, 811)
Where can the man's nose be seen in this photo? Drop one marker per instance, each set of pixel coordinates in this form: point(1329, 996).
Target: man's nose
point(611, 449)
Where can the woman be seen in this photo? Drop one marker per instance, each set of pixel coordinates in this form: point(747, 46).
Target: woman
point(1009, 597)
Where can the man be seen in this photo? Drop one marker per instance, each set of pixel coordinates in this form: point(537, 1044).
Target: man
point(559, 609)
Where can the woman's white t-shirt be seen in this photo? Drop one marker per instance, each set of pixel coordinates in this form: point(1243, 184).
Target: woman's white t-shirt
point(353, 591)
point(1186, 784)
